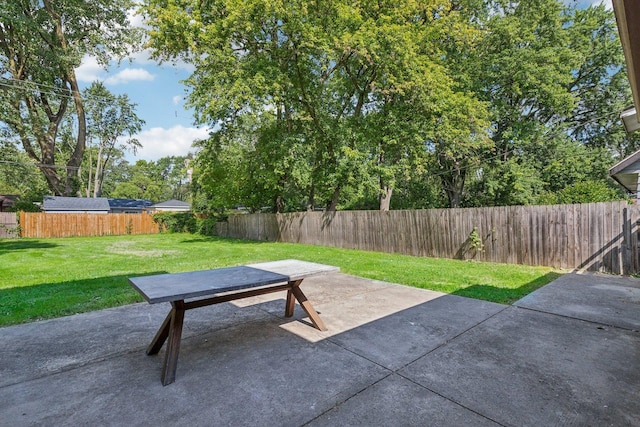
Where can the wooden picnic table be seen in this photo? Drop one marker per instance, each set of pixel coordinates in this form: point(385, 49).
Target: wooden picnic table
point(186, 291)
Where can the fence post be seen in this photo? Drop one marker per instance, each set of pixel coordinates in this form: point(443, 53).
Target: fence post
point(21, 223)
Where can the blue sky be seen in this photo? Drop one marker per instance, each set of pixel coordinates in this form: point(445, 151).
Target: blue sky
point(156, 89)
point(159, 95)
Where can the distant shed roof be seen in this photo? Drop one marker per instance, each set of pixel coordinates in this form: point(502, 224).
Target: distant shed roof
point(129, 203)
point(75, 204)
point(173, 203)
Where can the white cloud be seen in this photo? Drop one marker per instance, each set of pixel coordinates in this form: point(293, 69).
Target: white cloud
point(135, 19)
point(176, 100)
point(128, 75)
point(142, 57)
point(176, 141)
point(585, 3)
point(608, 3)
point(89, 70)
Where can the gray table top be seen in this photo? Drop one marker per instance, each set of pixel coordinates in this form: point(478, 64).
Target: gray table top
point(181, 286)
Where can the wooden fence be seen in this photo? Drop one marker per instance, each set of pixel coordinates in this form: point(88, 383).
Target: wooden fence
point(42, 224)
point(8, 225)
point(598, 237)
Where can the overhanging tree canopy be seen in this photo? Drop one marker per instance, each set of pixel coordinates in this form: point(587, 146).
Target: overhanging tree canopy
point(360, 85)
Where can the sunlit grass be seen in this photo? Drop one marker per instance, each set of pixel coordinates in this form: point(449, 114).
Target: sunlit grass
point(46, 278)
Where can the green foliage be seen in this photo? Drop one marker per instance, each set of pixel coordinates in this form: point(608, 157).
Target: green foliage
point(157, 181)
point(318, 103)
point(419, 191)
point(19, 176)
point(554, 79)
point(206, 225)
point(25, 205)
point(583, 192)
point(176, 222)
point(475, 241)
point(507, 183)
point(342, 105)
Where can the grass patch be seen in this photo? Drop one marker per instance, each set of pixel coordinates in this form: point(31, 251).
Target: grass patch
point(46, 278)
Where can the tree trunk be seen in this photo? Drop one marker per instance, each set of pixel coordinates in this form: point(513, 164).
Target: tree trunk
point(90, 175)
point(47, 162)
point(385, 196)
point(454, 197)
point(73, 165)
point(453, 185)
point(72, 186)
point(333, 205)
point(312, 199)
point(96, 180)
point(278, 204)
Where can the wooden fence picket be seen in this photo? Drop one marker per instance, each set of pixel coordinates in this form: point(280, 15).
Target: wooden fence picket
point(41, 224)
point(597, 236)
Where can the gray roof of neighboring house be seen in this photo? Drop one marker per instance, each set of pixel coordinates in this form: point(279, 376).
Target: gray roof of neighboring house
point(173, 203)
point(129, 203)
point(80, 204)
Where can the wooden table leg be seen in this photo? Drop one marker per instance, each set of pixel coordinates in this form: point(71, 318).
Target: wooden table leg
point(291, 299)
point(305, 304)
point(161, 335)
point(173, 345)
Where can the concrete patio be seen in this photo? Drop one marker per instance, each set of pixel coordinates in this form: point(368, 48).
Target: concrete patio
point(568, 353)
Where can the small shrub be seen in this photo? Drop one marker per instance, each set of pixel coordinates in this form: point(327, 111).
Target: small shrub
point(25, 206)
point(176, 222)
point(181, 222)
point(475, 241)
point(207, 225)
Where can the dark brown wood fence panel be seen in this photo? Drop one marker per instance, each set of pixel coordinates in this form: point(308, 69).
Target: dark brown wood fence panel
point(598, 236)
point(8, 225)
point(42, 225)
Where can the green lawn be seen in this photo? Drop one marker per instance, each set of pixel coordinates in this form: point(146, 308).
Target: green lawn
point(45, 278)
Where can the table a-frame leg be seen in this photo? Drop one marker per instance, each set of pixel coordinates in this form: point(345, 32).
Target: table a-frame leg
point(161, 335)
point(170, 329)
point(291, 299)
point(296, 292)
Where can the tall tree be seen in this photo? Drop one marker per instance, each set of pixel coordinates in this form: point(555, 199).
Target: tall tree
point(41, 45)
point(166, 178)
point(552, 75)
point(600, 83)
point(110, 119)
point(176, 171)
point(144, 182)
point(329, 73)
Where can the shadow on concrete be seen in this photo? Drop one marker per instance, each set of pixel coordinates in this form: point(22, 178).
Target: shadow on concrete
point(393, 355)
